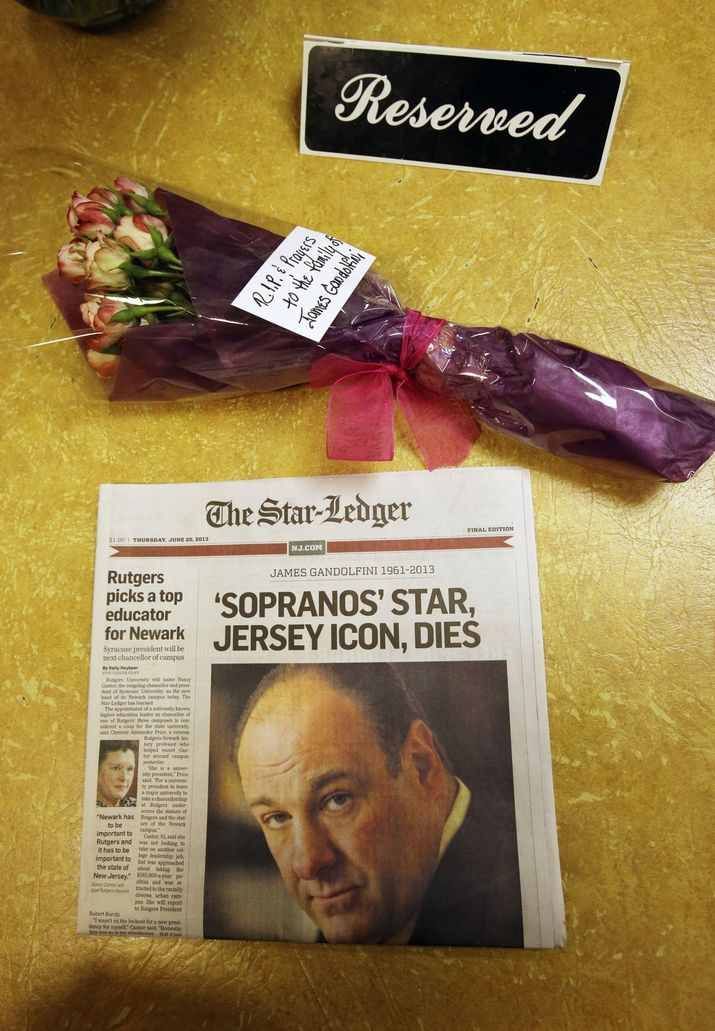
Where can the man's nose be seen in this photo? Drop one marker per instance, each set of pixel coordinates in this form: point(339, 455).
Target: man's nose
point(313, 850)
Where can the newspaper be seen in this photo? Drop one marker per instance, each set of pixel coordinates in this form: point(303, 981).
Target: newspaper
point(317, 712)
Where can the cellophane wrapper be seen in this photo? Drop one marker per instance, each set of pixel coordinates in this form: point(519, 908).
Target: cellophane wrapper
point(553, 395)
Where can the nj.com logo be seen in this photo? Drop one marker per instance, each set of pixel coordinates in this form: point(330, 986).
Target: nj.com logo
point(306, 547)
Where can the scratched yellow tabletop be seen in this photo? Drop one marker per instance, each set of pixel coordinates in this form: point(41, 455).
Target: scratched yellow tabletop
point(204, 96)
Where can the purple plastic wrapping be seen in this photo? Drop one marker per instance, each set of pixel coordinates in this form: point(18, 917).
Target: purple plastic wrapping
point(572, 402)
point(552, 395)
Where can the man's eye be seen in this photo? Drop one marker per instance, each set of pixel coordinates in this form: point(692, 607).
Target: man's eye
point(275, 821)
point(338, 801)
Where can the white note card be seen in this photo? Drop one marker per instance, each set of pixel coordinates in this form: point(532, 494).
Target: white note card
point(305, 282)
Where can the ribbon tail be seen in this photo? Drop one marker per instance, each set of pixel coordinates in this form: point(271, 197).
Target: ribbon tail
point(444, 429)
point(361, 416)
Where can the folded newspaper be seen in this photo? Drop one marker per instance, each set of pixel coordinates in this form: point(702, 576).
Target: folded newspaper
point(318, 713)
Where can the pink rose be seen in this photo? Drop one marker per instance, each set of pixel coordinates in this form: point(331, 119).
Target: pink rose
point(133, 231)
point(105, 365)
point(71, 260)
point(104, 265)
point(88, 219)
point(97, 313)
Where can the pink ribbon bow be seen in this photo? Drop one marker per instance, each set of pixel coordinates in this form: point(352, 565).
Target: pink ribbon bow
point(361, 409)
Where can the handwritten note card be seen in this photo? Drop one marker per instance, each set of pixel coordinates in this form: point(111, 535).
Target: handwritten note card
point(305, 282)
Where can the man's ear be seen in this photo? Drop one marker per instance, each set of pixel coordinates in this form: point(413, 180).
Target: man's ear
point(419, 754)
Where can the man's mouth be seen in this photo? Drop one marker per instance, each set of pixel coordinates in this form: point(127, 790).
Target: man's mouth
point(333, 894)
point(336, 903)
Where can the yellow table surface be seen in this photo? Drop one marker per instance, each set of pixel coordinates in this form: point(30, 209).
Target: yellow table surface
point(205, 97)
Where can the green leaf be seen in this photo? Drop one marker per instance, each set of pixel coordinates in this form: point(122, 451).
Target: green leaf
point(153, 208)
point(124, 315)
point(168, 256)
point(144, 255)
point(156, 238)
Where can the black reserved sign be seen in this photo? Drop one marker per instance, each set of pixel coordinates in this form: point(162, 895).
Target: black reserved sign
point(513, 114)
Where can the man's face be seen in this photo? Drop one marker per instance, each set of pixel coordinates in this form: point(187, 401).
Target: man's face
point(353, 843)
point(116, 773)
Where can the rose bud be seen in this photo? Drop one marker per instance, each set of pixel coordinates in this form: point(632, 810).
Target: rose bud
point(105, 365)
point(87, 218)
point(71, 260)
point(105, 196)
point(130, 190)
point(73, 219)
point(133, 231)
point(137, 198)
point(104, 265)
point(126, 185)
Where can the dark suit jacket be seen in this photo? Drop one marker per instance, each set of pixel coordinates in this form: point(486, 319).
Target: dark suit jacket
point(475, 897)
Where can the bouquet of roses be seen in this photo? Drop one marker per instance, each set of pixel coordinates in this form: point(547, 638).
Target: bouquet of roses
point(121, 247)
point(147, 283)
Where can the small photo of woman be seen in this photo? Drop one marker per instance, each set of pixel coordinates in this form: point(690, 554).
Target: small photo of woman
point(117, 773)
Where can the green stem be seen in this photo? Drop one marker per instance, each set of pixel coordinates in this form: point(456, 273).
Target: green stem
point(148, 273)
point(133, 312)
